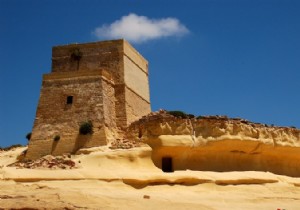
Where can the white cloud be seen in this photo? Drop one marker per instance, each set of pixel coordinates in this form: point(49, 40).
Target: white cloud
point(139, 29)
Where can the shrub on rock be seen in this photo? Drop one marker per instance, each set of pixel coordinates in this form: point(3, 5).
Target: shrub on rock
point(181, 114)
point(86, 128)
point(28, 136)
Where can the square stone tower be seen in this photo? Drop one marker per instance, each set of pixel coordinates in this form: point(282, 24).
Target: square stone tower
point(105, 83)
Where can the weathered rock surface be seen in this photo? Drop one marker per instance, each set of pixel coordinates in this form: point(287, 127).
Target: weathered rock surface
point(127, 178)
point(218, 143)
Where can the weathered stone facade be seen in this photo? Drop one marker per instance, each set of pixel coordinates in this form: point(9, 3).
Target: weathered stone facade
point(102, 82)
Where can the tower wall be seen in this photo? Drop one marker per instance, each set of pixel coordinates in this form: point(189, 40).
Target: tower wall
point(128, 68)
point(136, 88)
point(135, 106)
point(92, 100)
point(108, 83)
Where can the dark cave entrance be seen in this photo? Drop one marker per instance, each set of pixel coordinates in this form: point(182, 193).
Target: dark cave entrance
point(167, 164)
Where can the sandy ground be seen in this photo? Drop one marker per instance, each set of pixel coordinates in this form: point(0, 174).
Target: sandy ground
point(127, 179)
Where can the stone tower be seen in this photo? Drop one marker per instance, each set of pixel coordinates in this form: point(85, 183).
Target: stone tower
point(103, 82)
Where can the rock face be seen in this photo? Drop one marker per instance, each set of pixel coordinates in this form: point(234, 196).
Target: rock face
point(218, 144)
point(105, 83)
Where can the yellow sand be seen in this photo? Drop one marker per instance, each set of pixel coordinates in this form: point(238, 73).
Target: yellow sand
point(128, 179)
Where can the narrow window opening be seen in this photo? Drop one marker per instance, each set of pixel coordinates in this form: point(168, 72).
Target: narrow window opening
point(69, 99)
point(167, 164)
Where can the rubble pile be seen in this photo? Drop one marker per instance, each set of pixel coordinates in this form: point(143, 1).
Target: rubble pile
point(124, 144)
point(47, 162)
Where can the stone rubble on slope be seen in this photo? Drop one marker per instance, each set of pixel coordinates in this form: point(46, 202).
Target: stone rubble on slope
point(47, 162)
point(124, 144)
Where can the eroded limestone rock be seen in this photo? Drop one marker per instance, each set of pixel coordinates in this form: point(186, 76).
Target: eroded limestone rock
point(219, 143)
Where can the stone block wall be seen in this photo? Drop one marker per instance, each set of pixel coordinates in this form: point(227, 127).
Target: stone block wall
point(127, 67)
point(136, 88)
point(55, 117)
point(136, 106)
point(136, 79)
point(108, 85)
point(97, 55)
point(109, 104)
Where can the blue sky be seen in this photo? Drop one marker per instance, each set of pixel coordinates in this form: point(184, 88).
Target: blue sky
point(239, 58)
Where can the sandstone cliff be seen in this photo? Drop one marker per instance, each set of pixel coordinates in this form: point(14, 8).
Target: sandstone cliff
point(218, 143)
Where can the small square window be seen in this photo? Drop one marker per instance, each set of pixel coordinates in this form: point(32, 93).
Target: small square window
point(69, 99)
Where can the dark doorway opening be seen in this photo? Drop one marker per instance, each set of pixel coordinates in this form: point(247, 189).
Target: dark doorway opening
point(167, 164)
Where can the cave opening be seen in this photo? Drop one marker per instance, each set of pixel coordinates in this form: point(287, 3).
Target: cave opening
point(167, 164)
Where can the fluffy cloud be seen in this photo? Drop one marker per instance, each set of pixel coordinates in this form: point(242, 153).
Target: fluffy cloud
point(139, 29)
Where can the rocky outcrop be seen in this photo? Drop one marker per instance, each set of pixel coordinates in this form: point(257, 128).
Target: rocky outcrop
point(218, 143)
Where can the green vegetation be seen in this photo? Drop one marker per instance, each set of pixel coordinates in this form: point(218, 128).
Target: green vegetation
point(190, 116)
point(181, 114)
point(76, 54)
point(28, 136)
point(56, 138)
point(11, 147)
point(86, 128)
